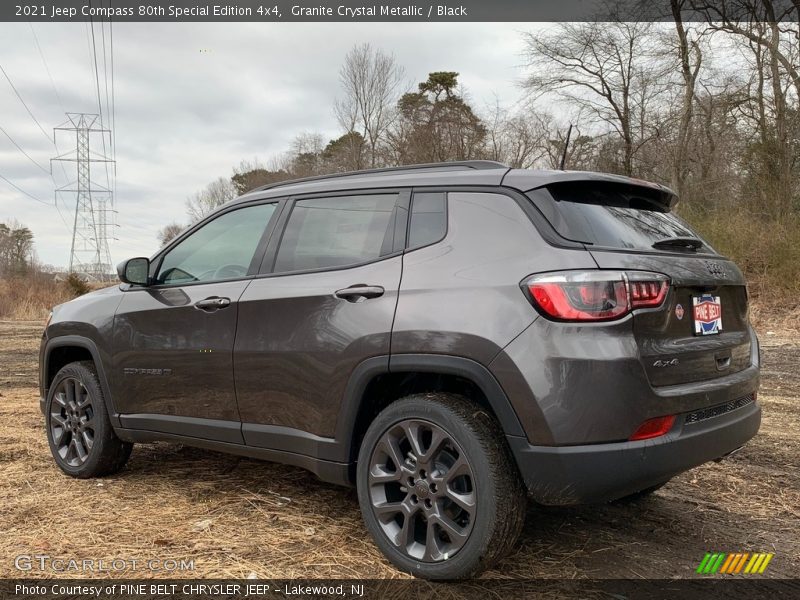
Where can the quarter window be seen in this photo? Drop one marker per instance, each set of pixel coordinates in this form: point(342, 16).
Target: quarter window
point(428, 219)
point(220, 249)
point(337, 231)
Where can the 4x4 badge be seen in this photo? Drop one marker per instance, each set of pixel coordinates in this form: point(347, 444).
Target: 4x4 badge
point(679, 311)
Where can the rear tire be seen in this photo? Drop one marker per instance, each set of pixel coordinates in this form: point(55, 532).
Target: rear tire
point(438, 488)
point(79, 433)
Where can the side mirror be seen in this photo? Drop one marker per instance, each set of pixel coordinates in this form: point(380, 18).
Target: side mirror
point(135, 271)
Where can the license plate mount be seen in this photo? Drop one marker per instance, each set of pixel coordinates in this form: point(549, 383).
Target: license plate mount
point(707, 314)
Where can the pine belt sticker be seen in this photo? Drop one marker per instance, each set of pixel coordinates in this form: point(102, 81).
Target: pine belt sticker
point(707, 314)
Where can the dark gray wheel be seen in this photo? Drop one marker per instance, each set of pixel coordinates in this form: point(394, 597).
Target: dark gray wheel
point(422, 490)
point(438, 488)
point(80, 435)
point(72, 424)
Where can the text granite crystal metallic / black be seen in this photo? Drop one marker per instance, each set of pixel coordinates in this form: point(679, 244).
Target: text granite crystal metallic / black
point(453, 339)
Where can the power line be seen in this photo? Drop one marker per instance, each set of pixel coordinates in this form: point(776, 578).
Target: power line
point(55, 89)
point(46, 68)
point(113, 98)
point(97, 82)
point(111, 184)
point(25, 153)
point(113, 108)
point(13, 87)
point(19, 189)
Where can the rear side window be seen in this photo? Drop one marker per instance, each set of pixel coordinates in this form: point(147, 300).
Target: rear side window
point(337, 231)
point(428, 219)
point(610, 216)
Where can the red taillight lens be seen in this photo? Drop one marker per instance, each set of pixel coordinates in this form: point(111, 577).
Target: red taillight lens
point(647, 294)
point(595, 295)
point(590, 301)
point(653, 428)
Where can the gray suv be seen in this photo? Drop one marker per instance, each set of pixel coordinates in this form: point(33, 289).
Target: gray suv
point(449, 338)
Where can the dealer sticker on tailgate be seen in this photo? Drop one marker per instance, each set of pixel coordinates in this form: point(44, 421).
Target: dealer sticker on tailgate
point(707, 314)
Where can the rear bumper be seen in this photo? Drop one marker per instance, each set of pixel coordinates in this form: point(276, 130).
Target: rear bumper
point(603, 472)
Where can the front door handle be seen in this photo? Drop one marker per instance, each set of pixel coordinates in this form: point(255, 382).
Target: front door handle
point(359, 292)
point(213, 303)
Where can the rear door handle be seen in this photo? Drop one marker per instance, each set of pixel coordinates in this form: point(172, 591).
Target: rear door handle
point(359, 292)
point(213, 303)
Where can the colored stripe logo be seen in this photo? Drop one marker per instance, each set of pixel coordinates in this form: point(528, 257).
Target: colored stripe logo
point(734, 563)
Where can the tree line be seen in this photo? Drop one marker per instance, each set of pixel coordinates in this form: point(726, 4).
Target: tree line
point(708, 107)
point(17, 255)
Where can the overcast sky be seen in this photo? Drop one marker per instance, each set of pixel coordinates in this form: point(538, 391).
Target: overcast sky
point(193, 100)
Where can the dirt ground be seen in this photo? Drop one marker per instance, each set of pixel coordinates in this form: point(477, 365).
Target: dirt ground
point(235, 517)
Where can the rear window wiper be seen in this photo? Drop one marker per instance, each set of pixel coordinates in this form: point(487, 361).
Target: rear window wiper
point(682, 243)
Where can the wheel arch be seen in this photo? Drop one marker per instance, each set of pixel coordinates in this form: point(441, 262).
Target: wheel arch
point(63, 350)
point(390, 378)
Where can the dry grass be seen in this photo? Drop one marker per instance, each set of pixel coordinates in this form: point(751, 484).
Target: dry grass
point(31, 297)
point(234, 517)
point(767, 251)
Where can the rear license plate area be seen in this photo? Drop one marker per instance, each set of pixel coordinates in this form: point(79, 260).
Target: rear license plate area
point(707, 314)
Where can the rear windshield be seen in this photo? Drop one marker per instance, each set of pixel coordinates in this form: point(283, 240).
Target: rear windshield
point(610, 216)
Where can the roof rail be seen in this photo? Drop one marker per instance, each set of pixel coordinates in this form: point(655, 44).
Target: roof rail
point(462, 164)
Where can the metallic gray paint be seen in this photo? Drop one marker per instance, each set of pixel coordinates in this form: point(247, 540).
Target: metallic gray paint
point(280, 372)
point(161, 328)
point(461, 296)
point(585, 384)
point(297, 343)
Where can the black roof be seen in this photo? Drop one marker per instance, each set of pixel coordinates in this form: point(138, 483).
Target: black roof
point(473, 172)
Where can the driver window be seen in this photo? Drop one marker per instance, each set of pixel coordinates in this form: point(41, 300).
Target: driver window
point(221, 249)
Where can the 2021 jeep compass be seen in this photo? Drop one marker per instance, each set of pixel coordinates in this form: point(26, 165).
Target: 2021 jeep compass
point(449, 338)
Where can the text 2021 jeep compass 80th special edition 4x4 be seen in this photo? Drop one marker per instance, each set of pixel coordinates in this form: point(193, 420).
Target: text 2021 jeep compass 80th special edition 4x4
point(449, 338)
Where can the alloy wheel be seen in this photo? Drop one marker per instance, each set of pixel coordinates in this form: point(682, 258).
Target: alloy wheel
point(422, 490)
point(72, 426)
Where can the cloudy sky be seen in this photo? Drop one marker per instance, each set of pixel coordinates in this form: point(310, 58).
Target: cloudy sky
point(193, 100)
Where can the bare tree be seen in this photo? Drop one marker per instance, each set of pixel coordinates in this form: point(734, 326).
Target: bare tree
point(519, 140)
point(169, 232)
point(774, 40)
point(371, 81)
point(306, 154)
point(215, 194)
point(609, 70)
point(690, 58)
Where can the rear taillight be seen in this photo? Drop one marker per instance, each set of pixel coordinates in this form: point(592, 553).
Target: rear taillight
point(595, 295)
point(653, 428)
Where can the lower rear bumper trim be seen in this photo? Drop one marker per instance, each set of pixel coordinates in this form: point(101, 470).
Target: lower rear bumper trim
point(564, 475)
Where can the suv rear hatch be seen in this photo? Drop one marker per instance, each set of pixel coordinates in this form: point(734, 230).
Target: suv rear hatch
point(701, 331)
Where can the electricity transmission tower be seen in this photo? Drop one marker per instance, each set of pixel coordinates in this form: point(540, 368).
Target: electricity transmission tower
point(94, 204)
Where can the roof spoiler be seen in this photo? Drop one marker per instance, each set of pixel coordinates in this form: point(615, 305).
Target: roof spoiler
point(653, 193)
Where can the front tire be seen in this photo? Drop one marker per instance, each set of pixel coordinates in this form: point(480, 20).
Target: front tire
point(438, 488)
point(79, 433)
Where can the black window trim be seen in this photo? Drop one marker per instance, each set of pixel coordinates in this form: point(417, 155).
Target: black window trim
point(158, 257)
point(267, 267)
point(268, 245)
point(423, 190)
point(534, 214)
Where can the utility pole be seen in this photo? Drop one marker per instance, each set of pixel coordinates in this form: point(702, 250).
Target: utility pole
point(94, 203)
